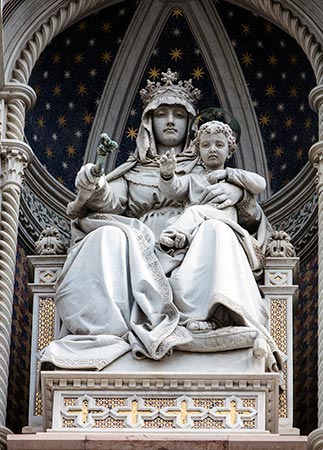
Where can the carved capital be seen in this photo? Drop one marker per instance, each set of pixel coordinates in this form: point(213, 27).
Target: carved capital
point(315, 155)
point(316, 98)
point(19, 91)
point(15, 156)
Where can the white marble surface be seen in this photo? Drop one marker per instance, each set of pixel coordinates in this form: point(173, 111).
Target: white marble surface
point(234, 361)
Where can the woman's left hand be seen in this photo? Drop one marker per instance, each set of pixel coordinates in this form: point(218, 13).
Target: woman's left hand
point(223, 194)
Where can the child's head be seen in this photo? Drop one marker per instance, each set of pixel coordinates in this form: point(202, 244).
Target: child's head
point(214, 126)
point(215, 143)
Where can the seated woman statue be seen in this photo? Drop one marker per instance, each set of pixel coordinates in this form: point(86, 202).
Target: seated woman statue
point(119, 291)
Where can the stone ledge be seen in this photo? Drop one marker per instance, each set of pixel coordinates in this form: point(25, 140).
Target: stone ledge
point(157, 441)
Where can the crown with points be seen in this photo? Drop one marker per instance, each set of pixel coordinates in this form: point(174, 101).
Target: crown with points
point(183, 89)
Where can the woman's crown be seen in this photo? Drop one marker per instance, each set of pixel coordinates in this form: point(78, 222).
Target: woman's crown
point(183, 89)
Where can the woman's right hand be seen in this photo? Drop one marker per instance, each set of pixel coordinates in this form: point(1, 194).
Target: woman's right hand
point(86, 183)
point(85, 179)
point(167, 164)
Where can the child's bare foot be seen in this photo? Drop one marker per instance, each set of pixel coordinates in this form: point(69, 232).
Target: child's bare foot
point(180, 240)
point(166, 241)
point(176, 240)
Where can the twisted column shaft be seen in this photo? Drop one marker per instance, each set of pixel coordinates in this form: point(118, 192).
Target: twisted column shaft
point(15, 156)
point(316, 157)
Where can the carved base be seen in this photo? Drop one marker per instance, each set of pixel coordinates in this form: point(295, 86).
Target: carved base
point(160, 400)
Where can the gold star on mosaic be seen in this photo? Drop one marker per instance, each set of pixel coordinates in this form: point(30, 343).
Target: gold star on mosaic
point(37, 89)
point(106, 27)
point(308, 123)
point(278, 151)
point(272, 60)
point(268, 27)
point(49, 152)
point(57, 58)
point(81, 89)
point(57, 90)
point(246, 29)
point(293, 92)
point(293, 60)
point(60, 180)
point(177, 12)
point(71, 150)
point(61, 121)
point(41, 122)
point(176, 54)
point(79, 58)
point(198, 73)
point(264, 119)
point(106, 57)
point(88, 118)
point(300, 152)
point(247, 59)
point(132, 133)
point(289, 122)
point(154, 73)
point(82, 26)
point(270, 91)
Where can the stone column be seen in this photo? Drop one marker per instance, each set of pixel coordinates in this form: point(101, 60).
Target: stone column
point(315, 439)
point(15, 156)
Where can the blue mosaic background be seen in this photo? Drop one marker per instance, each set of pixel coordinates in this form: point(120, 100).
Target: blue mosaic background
point(70, 76)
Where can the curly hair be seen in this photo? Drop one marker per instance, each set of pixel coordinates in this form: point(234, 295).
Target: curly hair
point(215, 126)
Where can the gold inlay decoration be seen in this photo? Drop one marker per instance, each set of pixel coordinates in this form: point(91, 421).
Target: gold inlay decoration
point(38, 405)
point(69, 401)
point(249, 424)
point(278, 330)
point(249, 403)
point(208, 424)
point(110, 403)
point(46, 334)
point(159, 402)
point(233, 412)
point(46, 322)
point(68, 423)
point(84, 411)
point(208, 403)
point(158, 423)
point(184, 412)
point(109, 422)
point(134, 412)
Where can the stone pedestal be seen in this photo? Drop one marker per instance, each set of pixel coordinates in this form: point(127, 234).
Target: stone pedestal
point(160, 441)
point(186, 392)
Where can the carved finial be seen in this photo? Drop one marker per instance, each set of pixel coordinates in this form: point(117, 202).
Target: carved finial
point(169, 77)
point(279, 245)
point(50, 242)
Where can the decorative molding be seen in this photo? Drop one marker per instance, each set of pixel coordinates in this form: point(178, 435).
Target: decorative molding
point(209, 386)
point(36, 215)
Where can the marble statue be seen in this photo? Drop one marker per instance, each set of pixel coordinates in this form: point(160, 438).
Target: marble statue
point(120, 291)
point(215, 143)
